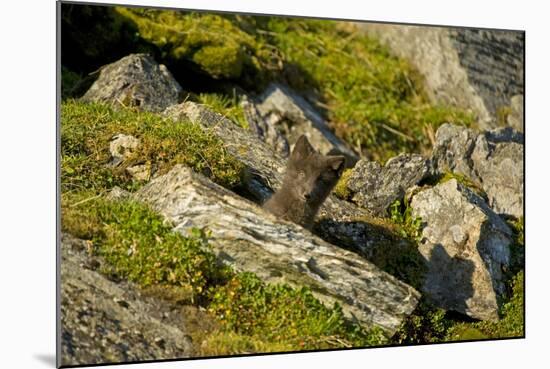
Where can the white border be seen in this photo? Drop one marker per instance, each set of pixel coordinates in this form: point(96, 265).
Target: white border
point(27, 152)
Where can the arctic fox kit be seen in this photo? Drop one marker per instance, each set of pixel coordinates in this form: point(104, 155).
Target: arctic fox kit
point(309, 178)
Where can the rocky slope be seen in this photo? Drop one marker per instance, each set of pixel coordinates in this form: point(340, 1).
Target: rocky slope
point(464, 243)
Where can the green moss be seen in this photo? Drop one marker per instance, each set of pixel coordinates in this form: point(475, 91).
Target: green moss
point(86, 130)
point(139, 245)
point(223, 342)
point(341, 189)
point(463, 180)
point(279, 313)
point(228, 106)
point(375, 100)
point(212, 42)
point(511, 323)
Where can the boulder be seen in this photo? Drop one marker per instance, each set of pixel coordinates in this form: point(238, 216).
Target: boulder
point(465, 246)
point(265, 129)
point(250, 239)
point(293, 116)
point(375, 188)
point(107, 322)
point(494, 159)
point(135, 80)
point(476, 70)
point(339, 221)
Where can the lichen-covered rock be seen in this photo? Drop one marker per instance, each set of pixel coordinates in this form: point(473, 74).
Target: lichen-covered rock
point(121, 148)
point(138, 81)
point(494, 159)
point(499, 167)
point(339, 221)
point(117, 194)
point(465, 246)
point(292, 115)
point(453, 148)
point(248, 238)
point(107, 322)
point(375, 187)
point(477, 70)
point(265, 128)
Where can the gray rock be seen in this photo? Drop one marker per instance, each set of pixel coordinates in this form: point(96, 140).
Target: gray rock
point(107, 322)
point(121, 147)
point(140, 172)
point(251, 239)
point(515, 118)
point(339, 221)
point(292, 115)
point(117, 194)
point(477, 70)
point(499, 167)
point(375, 187)
point(265, 128)
point(135, 80)
point(453, 149)
point(465, 245)
point(494, 159)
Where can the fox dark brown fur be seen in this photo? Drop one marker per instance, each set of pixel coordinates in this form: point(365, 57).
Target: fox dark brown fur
point(309, 178)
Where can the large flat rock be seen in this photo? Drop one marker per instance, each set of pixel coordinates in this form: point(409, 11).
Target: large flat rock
point(250, 239)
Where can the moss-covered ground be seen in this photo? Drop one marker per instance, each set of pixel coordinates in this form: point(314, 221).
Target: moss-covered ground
point(87, 129)
point(371, 98)
point(252, 316)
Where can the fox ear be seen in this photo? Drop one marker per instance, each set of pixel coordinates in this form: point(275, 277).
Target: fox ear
point(337, 163)
point(302, 148)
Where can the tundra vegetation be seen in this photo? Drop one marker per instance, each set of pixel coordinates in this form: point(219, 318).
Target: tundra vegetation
point(372, 99)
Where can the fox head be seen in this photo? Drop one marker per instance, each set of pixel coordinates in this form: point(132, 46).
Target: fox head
point(310, 176)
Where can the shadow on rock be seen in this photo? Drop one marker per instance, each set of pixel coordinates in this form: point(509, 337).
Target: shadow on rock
point(380, 245)
point(449, 280)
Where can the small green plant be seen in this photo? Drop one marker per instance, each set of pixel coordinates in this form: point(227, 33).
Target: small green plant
point(426, 324)
point(410, 226)
point(282, 314)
